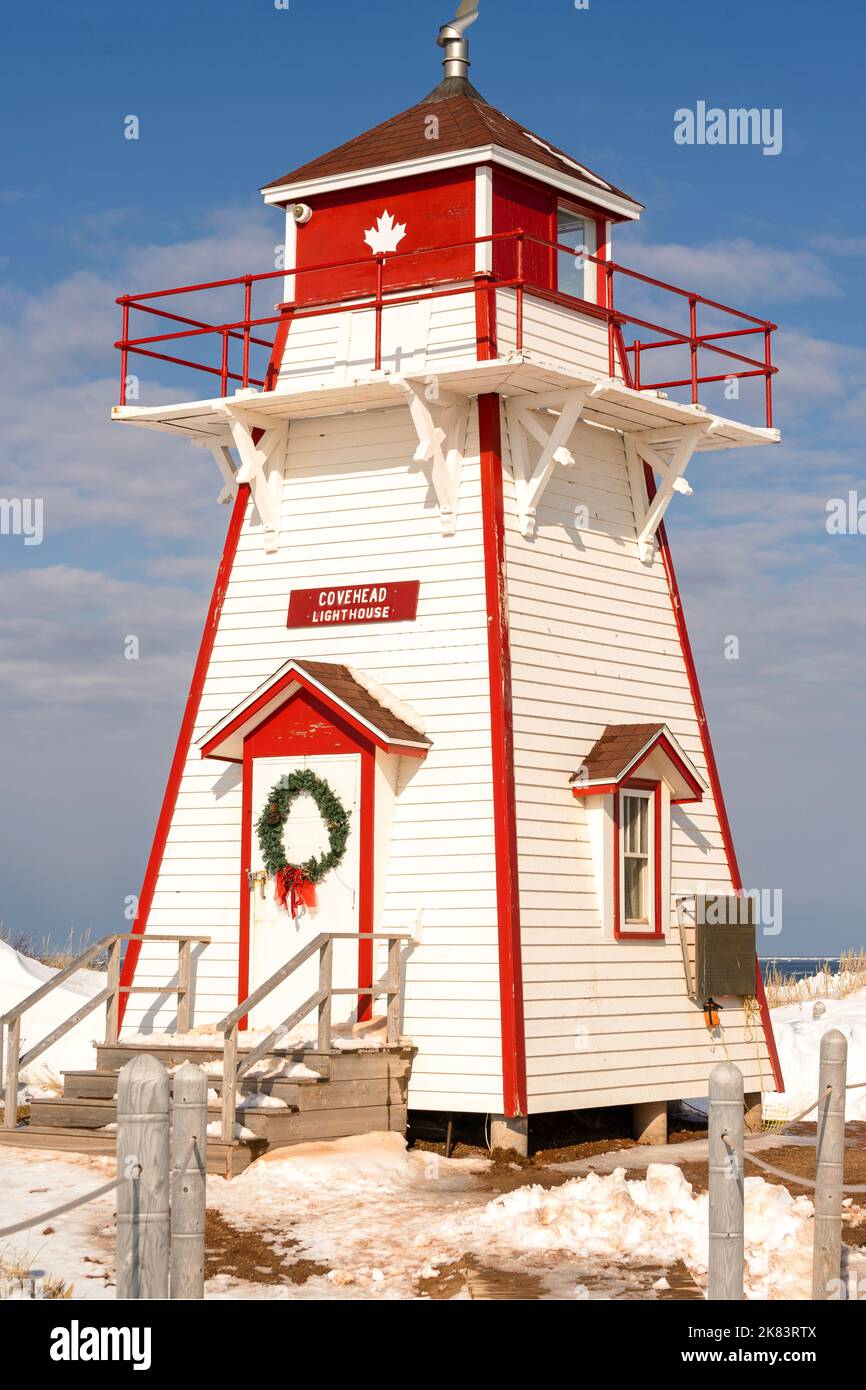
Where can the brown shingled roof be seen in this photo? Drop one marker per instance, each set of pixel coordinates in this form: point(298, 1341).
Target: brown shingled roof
point(341, 683)
point(466, 121)
point(618, 746)
point(361, 704)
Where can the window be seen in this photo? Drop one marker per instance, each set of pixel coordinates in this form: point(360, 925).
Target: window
point(575, 275)
point(638, 865)
point(636, 860)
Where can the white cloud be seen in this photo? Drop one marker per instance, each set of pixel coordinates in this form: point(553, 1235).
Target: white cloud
point(58, 382)
point(736, 270)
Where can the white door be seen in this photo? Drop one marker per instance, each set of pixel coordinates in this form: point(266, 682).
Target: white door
point(275, 936)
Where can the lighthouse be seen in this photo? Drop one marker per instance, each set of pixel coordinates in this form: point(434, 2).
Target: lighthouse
point(444, 756)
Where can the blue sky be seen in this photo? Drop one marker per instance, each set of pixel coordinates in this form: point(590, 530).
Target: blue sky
point(230, 95)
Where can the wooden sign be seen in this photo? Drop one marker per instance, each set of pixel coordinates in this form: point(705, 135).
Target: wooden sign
point(337, 606)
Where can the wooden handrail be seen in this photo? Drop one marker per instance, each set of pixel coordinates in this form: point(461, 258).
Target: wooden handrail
point(234, 1068)
point(11, 1020)
point(82, 960)
point(292, 965)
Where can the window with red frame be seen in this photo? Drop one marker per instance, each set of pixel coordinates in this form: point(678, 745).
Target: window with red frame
point(638, 862)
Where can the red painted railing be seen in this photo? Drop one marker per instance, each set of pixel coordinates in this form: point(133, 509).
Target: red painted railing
point(629, 357)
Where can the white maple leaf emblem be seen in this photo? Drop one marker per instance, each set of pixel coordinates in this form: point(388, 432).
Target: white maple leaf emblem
point(386, 235)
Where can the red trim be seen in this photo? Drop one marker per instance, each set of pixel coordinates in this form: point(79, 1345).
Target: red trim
point(600, 789)
point(601, 250)
point(668, 749)
point(485, 317)
point(638, 784)
point(244, 936)
point(271, 692)
point(712, 768)
point(502, 742)
point(341, 738)
point(184, 741)
point(279, 348)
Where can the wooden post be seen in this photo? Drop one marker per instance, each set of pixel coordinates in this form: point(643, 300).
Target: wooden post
point(10, 1094)
point(830, 1156)
point(142, 1201)
point(326, 980)
point(726, 1184)
point(188, 1187)
point(230, 1076)
point(112, 1014)
point(393, 1023)
point(184, 984)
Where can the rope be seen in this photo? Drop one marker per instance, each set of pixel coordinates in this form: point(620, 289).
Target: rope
point(795, 1119)
point(67, 1206)
point(753, 1030)
point(780, 1173)
point(90, 1197)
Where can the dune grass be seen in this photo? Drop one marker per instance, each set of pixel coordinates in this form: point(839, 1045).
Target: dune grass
point(831, 982)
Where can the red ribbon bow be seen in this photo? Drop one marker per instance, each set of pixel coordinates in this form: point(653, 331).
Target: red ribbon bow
point(289, 888)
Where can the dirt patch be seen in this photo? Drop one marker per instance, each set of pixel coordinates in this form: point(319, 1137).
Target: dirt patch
point(249, 1255)
point(467, 1277)
point(559, 1138)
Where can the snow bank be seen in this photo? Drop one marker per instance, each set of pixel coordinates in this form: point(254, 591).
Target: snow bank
point(20, 976)
point(359, 1161)
point(603, 1222)
point(798, 1038)
point(659, 1220)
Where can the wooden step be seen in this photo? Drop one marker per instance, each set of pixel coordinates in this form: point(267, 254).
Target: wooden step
point(339, 1064)
point(355, 1108)
point(355, 1091)
point(302, 1093)
point(86, 1085)
point(223, 1160)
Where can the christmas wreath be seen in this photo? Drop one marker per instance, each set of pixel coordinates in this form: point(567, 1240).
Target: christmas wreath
point(294, 882)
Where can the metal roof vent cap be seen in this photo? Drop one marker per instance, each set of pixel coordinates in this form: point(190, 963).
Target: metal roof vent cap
point(456, 45)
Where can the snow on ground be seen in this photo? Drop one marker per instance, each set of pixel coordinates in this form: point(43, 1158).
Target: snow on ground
point(78, 1247)
point(346, 1037)
point(798, 1038)
point(379, 1219)
point(20, 976)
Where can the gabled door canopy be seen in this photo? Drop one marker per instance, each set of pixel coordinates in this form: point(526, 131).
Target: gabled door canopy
point(371, 710)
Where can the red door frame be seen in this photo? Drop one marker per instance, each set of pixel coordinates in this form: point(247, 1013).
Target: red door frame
point(327, 734)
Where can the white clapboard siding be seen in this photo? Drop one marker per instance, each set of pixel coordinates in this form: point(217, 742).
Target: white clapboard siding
point(330, 348)
point(355, 507)
point(554, 331)
point(594, 641)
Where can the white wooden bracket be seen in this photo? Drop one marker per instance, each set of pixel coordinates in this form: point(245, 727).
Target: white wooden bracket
point(260, 465)
point(226, 464)
point(440, 425)
point(530, 418)
point(668, 454)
